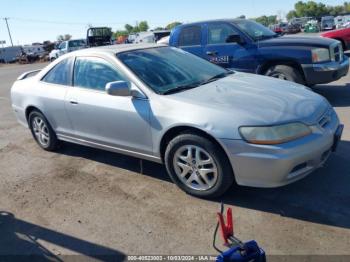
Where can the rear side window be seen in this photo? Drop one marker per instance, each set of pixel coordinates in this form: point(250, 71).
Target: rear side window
point(94, 73)
point(219, 33)
point(60, 74)
point(190, 36)
point(76, 43)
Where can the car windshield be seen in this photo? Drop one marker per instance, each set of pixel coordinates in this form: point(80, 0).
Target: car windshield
point(167, 70)
point(255, 30)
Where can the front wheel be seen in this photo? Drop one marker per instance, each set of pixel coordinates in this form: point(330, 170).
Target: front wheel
point(198, 166)
point(284, 72)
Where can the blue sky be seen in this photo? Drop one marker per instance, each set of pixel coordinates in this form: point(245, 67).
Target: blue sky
point(38, 20)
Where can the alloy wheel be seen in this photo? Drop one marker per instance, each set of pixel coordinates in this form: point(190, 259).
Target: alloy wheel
point(195, 167)
point(41, 131)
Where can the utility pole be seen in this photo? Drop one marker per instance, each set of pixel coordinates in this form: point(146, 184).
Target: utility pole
point(8, 29)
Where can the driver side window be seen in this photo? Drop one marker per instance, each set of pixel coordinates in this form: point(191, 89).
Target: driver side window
point(94, 73)
point(220, 33)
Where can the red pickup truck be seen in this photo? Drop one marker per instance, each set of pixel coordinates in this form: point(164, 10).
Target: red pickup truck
point(343, 35)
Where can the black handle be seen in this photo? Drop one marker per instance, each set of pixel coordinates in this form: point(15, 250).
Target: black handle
point(73, 102)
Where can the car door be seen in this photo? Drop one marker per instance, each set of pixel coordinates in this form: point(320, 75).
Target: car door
point(190, 40)
point(219, 50)
point(53, 89)
point(115, 121)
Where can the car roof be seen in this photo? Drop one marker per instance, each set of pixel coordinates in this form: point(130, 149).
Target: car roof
point(116, 49)
point(213, 21)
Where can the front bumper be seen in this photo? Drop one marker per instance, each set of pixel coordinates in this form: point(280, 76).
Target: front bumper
point(325, 72)
point(278, 165)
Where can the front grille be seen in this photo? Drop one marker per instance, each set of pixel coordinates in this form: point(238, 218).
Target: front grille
point(326, 119)
point(337, 52)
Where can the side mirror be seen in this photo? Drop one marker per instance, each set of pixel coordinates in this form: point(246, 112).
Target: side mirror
point(118, 88)
point(235, 39)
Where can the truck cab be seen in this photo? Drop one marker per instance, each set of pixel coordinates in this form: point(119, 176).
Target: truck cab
point(247, 46)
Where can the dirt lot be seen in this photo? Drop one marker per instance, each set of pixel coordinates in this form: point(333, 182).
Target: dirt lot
point(86, 201)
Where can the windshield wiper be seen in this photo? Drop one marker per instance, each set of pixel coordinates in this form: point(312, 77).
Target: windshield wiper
point(190, 86)
point(219, 76)
point(180, 88)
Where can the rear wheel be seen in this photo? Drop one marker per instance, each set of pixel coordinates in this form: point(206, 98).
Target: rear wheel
point(42, 131)
point(198, 166)
point(284, 72)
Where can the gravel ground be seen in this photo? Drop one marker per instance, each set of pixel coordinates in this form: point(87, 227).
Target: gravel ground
point(90, 202)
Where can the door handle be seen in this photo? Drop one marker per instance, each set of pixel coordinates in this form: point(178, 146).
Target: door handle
point(212, 53)
point(73, 102)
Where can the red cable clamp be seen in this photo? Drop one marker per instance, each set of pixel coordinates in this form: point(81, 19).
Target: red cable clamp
point(226, 229)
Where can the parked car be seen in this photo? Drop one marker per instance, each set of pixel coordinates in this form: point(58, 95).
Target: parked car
point(66, 47)
point(247, 46)
point(34, 50)
point(300, 21)
point(208, 125)
point(150, 36)
point(312, 27)
point(292, 29)
point(327, 23)
point(342, 35)
point(278, 29)
point(9, 54)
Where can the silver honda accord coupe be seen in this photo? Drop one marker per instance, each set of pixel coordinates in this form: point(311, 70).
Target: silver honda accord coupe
point(209, 126)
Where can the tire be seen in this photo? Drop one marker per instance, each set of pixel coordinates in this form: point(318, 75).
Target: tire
point(42, 131)
point(286, 73)
point(201, 183)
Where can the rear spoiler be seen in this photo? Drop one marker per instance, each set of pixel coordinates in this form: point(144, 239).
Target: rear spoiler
point(26, 74)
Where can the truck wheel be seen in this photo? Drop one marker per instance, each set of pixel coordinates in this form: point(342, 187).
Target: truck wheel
point(198, 166)
point(285, 73)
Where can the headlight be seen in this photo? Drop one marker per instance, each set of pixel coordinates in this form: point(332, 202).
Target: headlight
point(272, 135)
point(320, 55)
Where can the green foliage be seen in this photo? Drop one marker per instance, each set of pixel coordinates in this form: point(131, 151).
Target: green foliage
point(314, 9)
point(65, 37)
point(143, 26)
point(267, 20)
point(121, 33)
point(128, 28)
point(172, 25)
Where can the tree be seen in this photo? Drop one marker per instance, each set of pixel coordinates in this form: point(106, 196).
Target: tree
point(172, 25)
point(267, 20)
point(129, 28)
point(291, 14)
point(65, 37)
point(143, 26)
point(119, 33)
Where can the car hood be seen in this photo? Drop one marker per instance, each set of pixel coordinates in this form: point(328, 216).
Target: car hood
point(256, 100)
point(296, 41)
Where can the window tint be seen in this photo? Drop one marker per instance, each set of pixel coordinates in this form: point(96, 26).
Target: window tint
point(94, 73)
point(190, 36)
point(219, 33)
point(60, 74)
